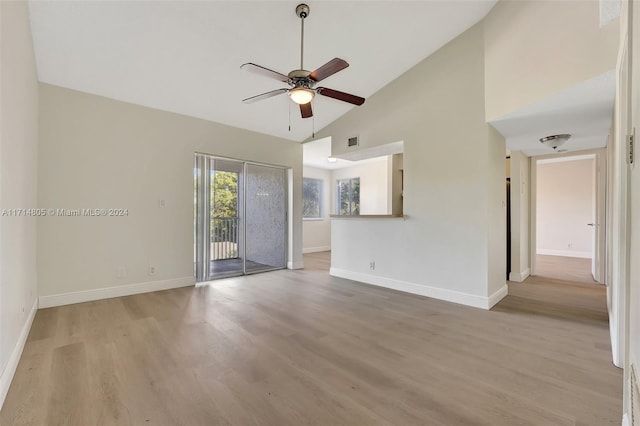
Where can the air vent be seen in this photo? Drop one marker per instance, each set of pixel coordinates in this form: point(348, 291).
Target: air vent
point(354, 141)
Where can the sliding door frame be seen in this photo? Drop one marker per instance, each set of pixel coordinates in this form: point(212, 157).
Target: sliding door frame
point(286, 215)
point(202, 163)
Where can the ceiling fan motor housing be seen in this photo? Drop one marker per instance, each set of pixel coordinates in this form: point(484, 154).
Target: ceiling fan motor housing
point(302, 11)
point(300, 78)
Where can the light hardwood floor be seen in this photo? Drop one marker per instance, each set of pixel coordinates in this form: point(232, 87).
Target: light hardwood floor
point(564, 268)
point(301, 347)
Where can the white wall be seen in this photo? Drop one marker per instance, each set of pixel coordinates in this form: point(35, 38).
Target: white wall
point(95, 152)
point(454, 183)
point(316, 234)
point(375, 197)
point(497, 211)
point(560, 40)
point(632, 357)
point(519, 171)
point(18, 188)
point(374, 184)
point(565, 205)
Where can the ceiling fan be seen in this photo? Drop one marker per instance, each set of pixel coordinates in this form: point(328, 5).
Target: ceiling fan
point(302, 82)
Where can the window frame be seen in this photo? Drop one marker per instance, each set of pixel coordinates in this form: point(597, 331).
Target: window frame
point(320, 183)
point(351, 201)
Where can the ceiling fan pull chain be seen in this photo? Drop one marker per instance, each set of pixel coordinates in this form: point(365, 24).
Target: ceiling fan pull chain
point(313, 127)
point(289, 103)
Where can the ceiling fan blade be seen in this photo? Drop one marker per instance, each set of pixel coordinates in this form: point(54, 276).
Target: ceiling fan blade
point(341, 96)
point(306, 111)
point(258, 69)
point(264, 96)
point(329, 69)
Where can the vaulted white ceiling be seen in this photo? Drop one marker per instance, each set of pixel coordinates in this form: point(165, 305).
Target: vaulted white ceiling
point(185, 56)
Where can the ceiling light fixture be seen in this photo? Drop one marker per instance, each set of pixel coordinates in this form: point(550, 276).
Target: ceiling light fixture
point(554, 141)
point(302, 82)
point(332, 159)
point(301, 96)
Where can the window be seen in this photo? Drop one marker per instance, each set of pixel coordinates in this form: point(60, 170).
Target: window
point(348, 196)
point(311, 198)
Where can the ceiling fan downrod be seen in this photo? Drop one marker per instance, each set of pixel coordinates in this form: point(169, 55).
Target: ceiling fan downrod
point(302, 11)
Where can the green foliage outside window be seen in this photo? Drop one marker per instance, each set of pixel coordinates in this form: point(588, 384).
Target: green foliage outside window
point(224, 205)
point(348, 196)
point(311, 198)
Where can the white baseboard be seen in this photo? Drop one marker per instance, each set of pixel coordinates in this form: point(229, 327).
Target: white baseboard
point(110, 292)
point(565, 253)
point(497, 296)
point(295, 265)
point(625, 420)
point(14, 359)
point(315, 249)
point(519, 276)
point(424, 290)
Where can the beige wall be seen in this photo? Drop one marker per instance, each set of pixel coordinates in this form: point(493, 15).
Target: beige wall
point(374, 184)
point(519, 170)
point(18, 187)
point(453, 197)
point(376, 196)
point(497, 210)
point(394, 183)
point(564, 206)
point(560, 40)
point(100, 153)
point(316, 234)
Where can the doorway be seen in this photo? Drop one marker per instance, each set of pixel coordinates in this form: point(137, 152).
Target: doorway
point(240, 220)
point(568, 218)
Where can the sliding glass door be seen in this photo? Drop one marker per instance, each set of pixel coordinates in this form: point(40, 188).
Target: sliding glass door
point(266, 217)
point(240, 217)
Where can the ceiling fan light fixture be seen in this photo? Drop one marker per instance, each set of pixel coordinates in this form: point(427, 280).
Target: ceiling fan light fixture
point(301, 96)
point(303, 83)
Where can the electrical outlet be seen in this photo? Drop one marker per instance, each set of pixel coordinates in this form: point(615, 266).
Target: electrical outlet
point(152, 270)
point(372, 265)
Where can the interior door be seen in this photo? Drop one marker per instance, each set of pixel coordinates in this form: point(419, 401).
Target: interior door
point(599, 231)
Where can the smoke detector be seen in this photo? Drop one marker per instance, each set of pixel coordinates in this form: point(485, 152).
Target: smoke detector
point(554, 141)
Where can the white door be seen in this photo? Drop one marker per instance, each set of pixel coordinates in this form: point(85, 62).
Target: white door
point(599, 228)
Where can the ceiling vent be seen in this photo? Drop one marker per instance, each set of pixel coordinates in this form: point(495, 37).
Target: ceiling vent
point(353, 142)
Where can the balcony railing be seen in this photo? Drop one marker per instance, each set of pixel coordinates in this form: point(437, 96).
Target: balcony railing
point(224, 238)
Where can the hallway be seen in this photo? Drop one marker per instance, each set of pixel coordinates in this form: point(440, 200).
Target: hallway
point(564, 268)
